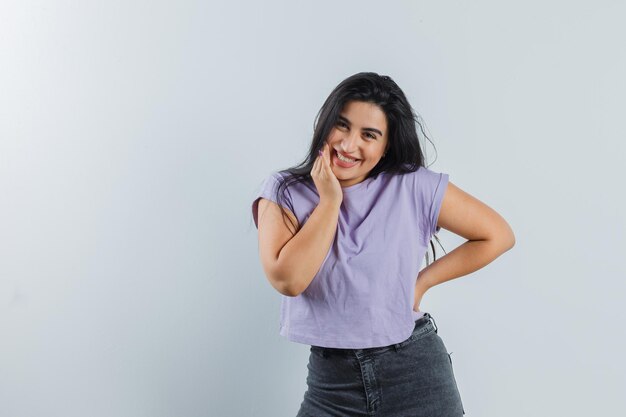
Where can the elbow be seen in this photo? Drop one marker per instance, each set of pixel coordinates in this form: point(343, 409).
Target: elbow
point(287, 290)
point(511, 241)
point(291, 293)
point(509, 238)
point(506, 239)
point(284, 285)
point(292, 287)
point(502, 239)
point(506, 244)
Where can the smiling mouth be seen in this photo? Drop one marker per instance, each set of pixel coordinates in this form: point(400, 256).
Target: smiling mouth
point(342, 163)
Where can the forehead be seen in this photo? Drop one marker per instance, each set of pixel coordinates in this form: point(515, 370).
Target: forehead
point(364, 114)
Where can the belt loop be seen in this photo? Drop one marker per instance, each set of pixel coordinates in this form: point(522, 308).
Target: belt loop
point(431, 318)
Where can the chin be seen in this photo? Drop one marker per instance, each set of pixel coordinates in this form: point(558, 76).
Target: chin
point(343, 176)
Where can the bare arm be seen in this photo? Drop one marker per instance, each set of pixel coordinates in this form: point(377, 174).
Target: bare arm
point(488, 234)
point(291, 262)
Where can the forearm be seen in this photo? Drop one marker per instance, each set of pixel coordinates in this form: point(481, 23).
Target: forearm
point(300, 259)
point(465, 259)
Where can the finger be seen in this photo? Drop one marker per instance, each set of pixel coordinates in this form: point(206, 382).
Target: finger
point(326, 156)
point(320, 156)
point(323, 168)
point(327, 163)
point(323, 164)
point(328, 153)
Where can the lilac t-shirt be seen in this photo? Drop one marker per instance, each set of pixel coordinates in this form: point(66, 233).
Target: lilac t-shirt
point(363, 294)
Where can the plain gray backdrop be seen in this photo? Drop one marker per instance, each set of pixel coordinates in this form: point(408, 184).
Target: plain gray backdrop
point(134, 136)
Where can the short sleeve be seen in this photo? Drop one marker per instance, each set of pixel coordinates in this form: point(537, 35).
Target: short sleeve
point(431, 188)
point(268, 190)
point(437, 199)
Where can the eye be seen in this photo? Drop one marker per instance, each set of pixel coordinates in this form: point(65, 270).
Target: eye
point(369, 135)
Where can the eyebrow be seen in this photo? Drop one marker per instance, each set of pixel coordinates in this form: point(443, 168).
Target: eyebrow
point(369, 129)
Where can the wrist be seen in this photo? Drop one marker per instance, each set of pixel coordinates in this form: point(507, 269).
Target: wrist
point(332, 204)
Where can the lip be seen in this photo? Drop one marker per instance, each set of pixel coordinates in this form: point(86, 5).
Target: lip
point(341, 164)
point(347, 156)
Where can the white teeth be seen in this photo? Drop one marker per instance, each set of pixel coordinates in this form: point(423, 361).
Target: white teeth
point(343, 158)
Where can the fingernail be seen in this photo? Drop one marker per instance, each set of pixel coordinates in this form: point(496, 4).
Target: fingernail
point(320, 152)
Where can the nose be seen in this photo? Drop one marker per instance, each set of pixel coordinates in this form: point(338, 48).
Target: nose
point(348, 143)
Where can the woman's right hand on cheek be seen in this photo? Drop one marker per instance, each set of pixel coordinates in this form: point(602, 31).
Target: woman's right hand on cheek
point(327, 184)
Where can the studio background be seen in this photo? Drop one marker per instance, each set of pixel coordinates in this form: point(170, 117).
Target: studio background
point(134, 136)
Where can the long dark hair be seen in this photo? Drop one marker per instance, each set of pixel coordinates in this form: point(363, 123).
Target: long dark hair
point(404, 153)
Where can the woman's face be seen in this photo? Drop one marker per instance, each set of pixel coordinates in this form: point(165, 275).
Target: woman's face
point(361, 134)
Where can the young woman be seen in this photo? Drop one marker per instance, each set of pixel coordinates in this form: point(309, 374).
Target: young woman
point(341, 237)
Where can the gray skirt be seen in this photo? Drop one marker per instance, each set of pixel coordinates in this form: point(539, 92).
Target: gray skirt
point(408, 379)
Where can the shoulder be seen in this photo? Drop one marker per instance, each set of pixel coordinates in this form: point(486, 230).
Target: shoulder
point(282, 176)
point(423, 176)
point(276, 179)
point(276, 176)
point(293, 183)
point(428, 174)
point(431, 179)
